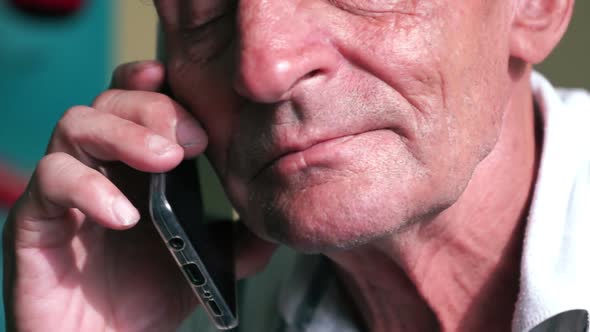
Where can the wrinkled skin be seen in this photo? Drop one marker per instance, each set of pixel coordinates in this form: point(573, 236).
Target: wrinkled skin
point(321, 113)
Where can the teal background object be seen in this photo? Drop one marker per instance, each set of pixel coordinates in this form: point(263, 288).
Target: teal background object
point(46, 66)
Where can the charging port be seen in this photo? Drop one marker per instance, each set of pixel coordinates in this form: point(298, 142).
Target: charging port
point(214, 307)
point(194, 274)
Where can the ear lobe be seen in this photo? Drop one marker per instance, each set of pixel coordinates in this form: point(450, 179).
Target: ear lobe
point(538, 26)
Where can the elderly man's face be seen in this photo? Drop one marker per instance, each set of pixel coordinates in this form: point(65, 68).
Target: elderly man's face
point(334, 122)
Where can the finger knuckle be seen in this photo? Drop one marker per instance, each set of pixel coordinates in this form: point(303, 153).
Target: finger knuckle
point(50, 161)
point(50, 168)
point(91, 180)
point(75, 112)
point(105, 100)
point(159, 106)
point(68, 122)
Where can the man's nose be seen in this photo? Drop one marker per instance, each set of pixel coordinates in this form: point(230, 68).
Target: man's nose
point(281, 49)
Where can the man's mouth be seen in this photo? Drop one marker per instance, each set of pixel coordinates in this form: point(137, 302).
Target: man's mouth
point(298, 159)
point(287, 160)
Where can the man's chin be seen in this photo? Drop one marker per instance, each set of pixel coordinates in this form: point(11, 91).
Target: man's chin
point(320, 243)
point(322, 226)
point(314, 222)
point(333, 210)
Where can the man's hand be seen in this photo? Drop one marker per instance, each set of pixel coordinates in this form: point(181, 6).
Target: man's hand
point(75, 260)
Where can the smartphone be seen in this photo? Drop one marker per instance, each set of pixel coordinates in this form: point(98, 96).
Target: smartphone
point(201, 246)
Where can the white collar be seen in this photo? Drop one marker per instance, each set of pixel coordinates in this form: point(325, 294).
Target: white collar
point(555, 271)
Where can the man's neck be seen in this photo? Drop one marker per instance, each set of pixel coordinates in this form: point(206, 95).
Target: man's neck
point(460, 271)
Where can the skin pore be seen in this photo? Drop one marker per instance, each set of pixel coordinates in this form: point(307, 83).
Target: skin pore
point(397, 137)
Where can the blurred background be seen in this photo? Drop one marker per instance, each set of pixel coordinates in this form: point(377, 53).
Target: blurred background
point(58, 53)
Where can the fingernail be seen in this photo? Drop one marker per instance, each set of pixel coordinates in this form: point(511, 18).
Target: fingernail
point(126, 213)
point(159, 145)
point(189, 133)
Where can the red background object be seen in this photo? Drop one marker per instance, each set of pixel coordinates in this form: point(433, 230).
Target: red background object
point(12, 185)
point(49, 7)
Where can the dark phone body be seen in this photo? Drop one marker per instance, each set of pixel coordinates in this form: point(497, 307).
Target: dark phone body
point(202, 249)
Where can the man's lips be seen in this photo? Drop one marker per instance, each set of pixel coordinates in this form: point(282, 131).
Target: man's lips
point(290, 160)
